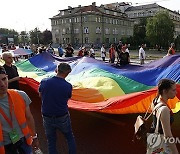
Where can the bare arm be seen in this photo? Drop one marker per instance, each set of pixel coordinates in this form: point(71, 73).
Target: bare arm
point(31, 124)
point(14, 79)
point(30, 121)
point(167, 128)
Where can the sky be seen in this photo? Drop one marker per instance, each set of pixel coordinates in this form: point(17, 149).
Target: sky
point(26, 15)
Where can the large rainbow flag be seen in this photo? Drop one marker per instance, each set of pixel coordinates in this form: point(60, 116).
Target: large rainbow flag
point(102, 87)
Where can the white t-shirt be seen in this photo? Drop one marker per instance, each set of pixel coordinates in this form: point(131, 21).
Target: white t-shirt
point(92, 51)
point(142, 54)
point(103, 52)
point(127, 50)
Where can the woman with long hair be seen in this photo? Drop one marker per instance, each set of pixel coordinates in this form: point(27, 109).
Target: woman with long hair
point(166, 90)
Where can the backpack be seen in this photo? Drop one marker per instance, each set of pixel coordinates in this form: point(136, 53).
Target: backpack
point(141, 125)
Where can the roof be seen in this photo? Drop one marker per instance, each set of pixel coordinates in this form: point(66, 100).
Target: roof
point(90, 8)
point(142, 7)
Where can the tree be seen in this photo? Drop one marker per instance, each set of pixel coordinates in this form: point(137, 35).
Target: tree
point(46, 37)
point(24, 37)
point(139, 35)
point(36, 36)
point(160, 29)
point(6, 33)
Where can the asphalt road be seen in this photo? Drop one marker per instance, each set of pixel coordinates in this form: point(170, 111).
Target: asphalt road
point(95, 133)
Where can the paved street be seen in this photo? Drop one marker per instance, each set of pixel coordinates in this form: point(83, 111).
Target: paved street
point(96, 133)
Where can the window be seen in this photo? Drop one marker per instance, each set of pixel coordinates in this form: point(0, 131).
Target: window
point(110, 21)
point(85, 19)
point(62, 13)
point(123, 32)
point(76, 19)
point(67, 20)
point(114, 22)
point(67, 40)
point(86, 30)
point(77, 40)
point(55, 22)
point(86, 40)
point(115, 13)
point(107, 31)
point(63, 31)
point(115, 31)
point(64, 41)
point(98, 30)
point(120, 22)
point(68, 30)
point(107, 11)
point(76, 30)
point(98, 19)
point(107, 20)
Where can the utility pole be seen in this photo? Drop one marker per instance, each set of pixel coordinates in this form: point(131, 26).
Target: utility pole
point(81, 28)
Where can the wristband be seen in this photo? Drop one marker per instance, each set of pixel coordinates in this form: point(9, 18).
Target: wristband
point(35, 137)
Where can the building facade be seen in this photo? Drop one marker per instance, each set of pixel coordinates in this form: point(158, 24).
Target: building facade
point(86, 25)
point(150, 10)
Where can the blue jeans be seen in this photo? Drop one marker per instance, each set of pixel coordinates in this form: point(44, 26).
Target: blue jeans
point(51, 125)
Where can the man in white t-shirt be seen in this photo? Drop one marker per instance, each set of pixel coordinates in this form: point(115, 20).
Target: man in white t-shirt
point(103, 52)
point(92, 52)
point(142, 54)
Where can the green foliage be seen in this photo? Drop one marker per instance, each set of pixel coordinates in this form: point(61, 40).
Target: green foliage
point(47, 37)
point(139, 36)
point(5, 33)
point(23, 38)
point(38, 37)
point(160, 29)
point(35, 36)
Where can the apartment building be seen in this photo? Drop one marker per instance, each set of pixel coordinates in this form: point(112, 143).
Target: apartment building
point(150, 10)
point(86, 25)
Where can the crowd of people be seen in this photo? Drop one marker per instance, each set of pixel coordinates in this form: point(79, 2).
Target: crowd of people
point(115, 53)
point(17, 126)
point(120, 51)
